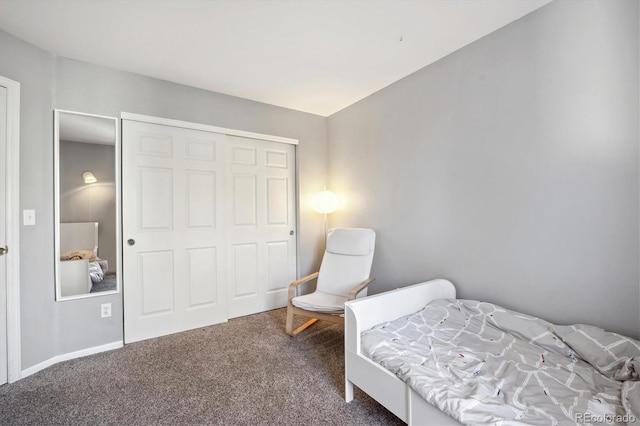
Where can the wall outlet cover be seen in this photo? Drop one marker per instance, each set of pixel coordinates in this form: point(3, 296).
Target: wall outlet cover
point(105, 310)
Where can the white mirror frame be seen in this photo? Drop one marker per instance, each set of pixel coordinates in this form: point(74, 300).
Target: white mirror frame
point(56, 172)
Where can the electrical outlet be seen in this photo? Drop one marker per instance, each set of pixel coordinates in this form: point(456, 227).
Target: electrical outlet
point(105, 310)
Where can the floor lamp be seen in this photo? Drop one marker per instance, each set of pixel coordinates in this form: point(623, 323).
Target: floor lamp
point(325, 202)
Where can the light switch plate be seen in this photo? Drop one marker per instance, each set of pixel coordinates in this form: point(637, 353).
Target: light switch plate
point(29, 217)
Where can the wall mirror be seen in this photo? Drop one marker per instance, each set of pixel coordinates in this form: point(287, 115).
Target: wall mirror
point(87, 199)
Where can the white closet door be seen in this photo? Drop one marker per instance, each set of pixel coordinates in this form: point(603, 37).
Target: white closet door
point(261, 224)
point(173, 229)
point(3, 262)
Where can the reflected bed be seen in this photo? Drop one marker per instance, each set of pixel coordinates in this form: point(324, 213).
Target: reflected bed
point(80, 266)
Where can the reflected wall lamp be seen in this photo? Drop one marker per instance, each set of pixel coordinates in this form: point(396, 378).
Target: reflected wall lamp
point(89, 177)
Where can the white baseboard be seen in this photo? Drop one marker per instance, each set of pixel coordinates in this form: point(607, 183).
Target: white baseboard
point(71, 355)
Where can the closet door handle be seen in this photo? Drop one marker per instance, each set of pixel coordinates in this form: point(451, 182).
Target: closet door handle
point(4, 250)
point(131, 241)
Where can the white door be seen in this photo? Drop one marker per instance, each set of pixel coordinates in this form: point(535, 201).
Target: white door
point(173, 229)
point(261, 224)
point(3, 262)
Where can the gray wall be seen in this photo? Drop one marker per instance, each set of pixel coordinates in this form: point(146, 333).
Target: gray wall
point(510, 167)
point(33, 68)
point(52, 328)
point(96, 202)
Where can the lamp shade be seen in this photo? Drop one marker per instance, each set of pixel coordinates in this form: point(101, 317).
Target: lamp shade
point(325, 202)
point(89, 177)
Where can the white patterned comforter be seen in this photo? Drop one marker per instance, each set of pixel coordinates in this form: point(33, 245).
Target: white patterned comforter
point(483, 364)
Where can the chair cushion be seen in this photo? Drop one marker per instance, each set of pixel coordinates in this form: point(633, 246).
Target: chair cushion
point(351, 241)
point(320, 302)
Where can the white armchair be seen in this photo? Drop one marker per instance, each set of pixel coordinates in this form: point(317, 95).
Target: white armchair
point(344, 275)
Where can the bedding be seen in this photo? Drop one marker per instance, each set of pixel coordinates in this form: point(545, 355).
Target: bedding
point(95, 272)
point(97, 267)
point(483, 364)
point(77, 255)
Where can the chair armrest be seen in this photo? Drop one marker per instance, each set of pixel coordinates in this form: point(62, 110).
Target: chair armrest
point(357, 289)
point(293, 286)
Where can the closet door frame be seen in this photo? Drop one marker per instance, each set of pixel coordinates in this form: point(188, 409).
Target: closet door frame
point(229, 132)
point(205, 127)
point(12, 219)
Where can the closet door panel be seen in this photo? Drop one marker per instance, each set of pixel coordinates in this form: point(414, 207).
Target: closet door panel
point(261, 202)
point(173, 202)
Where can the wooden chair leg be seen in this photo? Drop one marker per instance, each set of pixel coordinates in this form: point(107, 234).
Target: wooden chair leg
point(304, 326)
point(289, 324)
point(288, 328)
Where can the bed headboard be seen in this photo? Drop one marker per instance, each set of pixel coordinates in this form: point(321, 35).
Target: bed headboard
point(79, 236)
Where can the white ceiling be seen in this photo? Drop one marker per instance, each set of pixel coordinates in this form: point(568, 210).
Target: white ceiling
point(314, 56)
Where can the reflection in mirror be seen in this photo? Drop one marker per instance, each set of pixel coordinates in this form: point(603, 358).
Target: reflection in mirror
point(87, 201)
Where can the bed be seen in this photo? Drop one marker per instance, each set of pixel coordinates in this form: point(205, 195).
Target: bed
point(80, 266)
point(533, 372)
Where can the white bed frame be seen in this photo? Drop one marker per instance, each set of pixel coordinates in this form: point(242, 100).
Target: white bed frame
point(74, 274)
point(382, 385)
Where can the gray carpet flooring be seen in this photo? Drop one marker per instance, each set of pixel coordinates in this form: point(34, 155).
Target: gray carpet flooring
point(244, 372)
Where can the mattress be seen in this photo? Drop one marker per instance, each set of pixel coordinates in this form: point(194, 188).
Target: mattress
point(483, 364)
